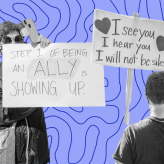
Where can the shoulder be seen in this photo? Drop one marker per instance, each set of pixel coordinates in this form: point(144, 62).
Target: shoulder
point(117, 162)
point(137, 128)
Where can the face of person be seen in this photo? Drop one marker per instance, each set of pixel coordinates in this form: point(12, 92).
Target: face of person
point(12, 38)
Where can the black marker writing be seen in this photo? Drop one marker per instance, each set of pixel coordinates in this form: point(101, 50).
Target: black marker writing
point(115, 26)
point(32, 88)
point(99, 55)
point(104, 42)
point(77, 87)
point(17, 54)
point(53, 52)
point(18, 68)
point(41, 70)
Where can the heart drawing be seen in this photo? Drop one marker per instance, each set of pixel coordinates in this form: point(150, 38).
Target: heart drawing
point(160, 43)
point(103, 25)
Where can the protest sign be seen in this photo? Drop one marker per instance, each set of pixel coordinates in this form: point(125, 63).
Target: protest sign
point(129, 42)
point(59, 75)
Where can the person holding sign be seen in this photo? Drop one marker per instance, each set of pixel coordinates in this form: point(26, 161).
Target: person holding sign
point(23, 136)
point(143, 142)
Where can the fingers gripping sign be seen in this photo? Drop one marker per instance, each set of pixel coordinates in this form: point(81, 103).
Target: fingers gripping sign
point(44, 42)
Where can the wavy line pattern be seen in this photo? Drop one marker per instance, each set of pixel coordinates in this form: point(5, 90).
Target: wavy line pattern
point(86, 135)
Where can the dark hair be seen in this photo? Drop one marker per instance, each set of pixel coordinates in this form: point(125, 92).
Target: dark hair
point(155, 88)
point(7, 27)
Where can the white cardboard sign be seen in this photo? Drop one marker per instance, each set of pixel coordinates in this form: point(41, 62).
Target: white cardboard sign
point(129, 42)
point(60, 75)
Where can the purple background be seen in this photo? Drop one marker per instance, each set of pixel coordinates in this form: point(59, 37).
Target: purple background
point(86, 135)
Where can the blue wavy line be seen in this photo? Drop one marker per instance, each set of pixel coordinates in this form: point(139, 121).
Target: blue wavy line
point(71, 139)
point(21, 13)
point(76, 22)
point(59, 18)
point(144, 114)
point(90, 28)
point(27, 39)
point(71, 109)
point(58, 141)
point(125, 7)
point(110, 138)
point(50, 143)
point(18, 12)
point(36, 18)
point(90, 117)
point(161, 9)
point(76, 110)
point(67, 24)
point(139, 91)
point(10, 15)
point(85, 145)
point(46, 110)
point(57, 130)
point(86, 19)
point(142, 77)
point(2, 18)
point(147, 9)
point(96, 142)
point(107, 82)
point(45, 14)
point(115, 6)
point(119, 90)
point(139, 6)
